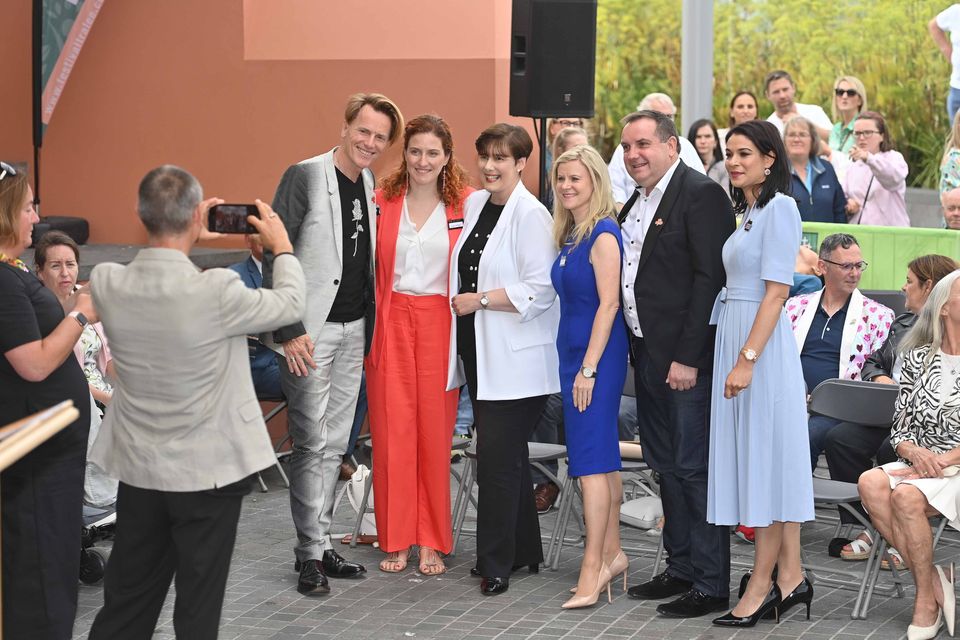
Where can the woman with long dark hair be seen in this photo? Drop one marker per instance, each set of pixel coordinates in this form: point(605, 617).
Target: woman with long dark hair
point(703, 135)
point(758, 409)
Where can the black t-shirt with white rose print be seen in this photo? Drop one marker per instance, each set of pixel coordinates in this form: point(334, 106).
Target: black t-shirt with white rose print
point(351, 301)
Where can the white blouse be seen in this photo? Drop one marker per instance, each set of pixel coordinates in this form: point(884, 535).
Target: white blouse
point(420, 268)
point(949, 372)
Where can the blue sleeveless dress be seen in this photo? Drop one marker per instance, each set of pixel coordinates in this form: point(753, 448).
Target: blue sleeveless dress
point(592, 436)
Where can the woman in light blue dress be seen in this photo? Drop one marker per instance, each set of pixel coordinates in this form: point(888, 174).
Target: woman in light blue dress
point(757, 475)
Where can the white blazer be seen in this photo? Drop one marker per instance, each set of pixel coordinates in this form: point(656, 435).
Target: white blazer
point(516, 352)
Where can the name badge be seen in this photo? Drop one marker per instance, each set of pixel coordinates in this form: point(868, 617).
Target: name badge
point(455, 224)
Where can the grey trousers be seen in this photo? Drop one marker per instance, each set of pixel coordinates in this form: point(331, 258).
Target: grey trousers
point(320, 410)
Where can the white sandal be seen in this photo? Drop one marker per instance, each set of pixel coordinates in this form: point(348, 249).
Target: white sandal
point(897, 561)
point(860, 548)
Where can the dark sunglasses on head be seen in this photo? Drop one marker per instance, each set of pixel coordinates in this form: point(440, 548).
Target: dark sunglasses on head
point(850, 93)
point(6, 170)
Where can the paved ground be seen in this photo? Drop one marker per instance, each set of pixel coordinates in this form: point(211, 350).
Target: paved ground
point(262, 601)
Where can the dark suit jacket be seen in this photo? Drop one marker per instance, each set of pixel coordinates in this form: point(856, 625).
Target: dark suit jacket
point(260, 356)
point(681, 271)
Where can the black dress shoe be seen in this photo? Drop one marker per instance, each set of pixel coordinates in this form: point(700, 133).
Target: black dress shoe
point(494, 586)
point(335, 566)
point(312, 581)
point(661, 586)
point(770, 603)
point(693, 604)
point(531, 568)
point(803, 594)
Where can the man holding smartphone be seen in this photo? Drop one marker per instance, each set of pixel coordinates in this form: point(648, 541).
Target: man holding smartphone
point(327, 206)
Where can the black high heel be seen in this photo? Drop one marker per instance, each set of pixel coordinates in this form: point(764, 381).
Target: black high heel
point(746, 578)
point(770, 603)
point(802, 594)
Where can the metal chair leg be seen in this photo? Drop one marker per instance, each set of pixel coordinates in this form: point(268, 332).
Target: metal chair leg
point(263, 485)
point(367, 486)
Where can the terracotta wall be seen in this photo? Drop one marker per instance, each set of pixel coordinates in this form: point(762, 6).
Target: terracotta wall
point(236, 91)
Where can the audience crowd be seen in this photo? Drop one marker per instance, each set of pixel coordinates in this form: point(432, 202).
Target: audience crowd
point(509, 319)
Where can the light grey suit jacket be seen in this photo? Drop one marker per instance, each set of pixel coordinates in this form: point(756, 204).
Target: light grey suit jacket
point(308, 202)
point(184, 415)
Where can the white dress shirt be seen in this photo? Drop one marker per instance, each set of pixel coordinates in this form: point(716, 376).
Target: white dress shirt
point(812, 112)
point(634, 230)
point(420, 268)
point(623, 185)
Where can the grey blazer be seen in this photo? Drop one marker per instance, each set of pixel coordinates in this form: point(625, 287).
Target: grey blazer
point(184, 415)
point(308, 202)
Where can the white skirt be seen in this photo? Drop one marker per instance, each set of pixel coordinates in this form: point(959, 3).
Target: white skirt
point(943, 494)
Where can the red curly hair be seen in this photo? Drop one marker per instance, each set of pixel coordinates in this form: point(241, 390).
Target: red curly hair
point(453, 178)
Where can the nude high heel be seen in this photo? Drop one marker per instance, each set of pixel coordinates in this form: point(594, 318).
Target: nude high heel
point(619, 565)
point(590, 599)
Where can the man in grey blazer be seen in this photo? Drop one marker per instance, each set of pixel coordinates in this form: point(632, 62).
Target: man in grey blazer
point(184, 431)
point(327, 206)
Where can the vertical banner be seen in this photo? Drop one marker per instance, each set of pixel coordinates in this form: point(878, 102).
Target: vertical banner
point(65, 26)
point(60, 27)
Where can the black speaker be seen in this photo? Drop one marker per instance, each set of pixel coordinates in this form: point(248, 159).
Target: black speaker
point(553, 51)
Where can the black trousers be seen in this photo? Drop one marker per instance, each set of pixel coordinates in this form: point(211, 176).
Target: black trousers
point(508, 527)
point(851, 450)
point(162, 534)
point(42, 517)
point(675, 436)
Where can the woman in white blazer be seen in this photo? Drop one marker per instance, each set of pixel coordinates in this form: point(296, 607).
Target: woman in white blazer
point(502, 343)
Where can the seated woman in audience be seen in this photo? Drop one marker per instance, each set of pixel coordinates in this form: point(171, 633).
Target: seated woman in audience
point(411, 412)
point(876, 180)
point(814, 183)
point(849, 99)
point(852, 448)
point(56, 259)
point(42, 493)
point(901, 495)
point(743, 107)
point(950, 163)
point(703, 136)
point(592, 347)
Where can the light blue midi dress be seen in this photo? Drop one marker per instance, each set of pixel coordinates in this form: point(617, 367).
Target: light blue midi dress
point(759, 469)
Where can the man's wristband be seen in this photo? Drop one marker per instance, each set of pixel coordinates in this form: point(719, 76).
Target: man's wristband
point(282, 253)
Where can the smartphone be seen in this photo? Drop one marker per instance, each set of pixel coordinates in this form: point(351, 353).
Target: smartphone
point(232, 218)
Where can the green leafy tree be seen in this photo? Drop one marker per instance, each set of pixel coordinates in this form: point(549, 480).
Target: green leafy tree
point(885, 43)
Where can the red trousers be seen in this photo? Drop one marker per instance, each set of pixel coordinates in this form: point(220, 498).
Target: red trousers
point(411, 423)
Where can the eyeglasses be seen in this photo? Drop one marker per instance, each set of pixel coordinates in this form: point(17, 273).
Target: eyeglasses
point(6, 170)
point(847, 267)
point(798, 135)
point(568, 123)
point(850, 93)
point(864, 134)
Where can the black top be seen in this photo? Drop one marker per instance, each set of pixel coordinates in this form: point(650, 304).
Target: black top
point(468, 268)
point(29, 312)
point(881, 361)
point(820, 356)
point(351, 301)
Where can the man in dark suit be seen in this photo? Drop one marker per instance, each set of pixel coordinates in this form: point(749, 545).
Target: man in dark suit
point(263, 361)
point(674, 226)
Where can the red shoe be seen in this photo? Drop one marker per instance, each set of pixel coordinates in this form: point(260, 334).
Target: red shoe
point(744, 533)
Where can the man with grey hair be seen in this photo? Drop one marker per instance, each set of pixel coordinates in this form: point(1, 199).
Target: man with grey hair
point(950, 201)
point(184, 431)
point(674, 226)
point(623, 185)
point(830, 346)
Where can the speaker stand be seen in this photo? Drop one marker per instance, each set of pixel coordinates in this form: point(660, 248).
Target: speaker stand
point(544, 182)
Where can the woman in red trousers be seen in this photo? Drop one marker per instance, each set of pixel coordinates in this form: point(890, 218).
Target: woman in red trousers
point(411, 413)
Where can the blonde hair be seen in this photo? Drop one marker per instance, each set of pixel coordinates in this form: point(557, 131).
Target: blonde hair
point(560, 141)
point(953, 140)
point(379, 103)
point(602, 204)
point(13, 193)
point(861, 90)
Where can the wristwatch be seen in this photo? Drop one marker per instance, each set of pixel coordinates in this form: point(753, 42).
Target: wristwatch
point(749, 354)
point(588, 373)
point(79, 317)
point(484, 300)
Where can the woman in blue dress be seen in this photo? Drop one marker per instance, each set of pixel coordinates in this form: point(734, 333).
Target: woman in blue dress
point(592, 349)
point(758, 417)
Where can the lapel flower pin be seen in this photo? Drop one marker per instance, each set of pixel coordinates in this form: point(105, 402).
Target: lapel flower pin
point(658, 222)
